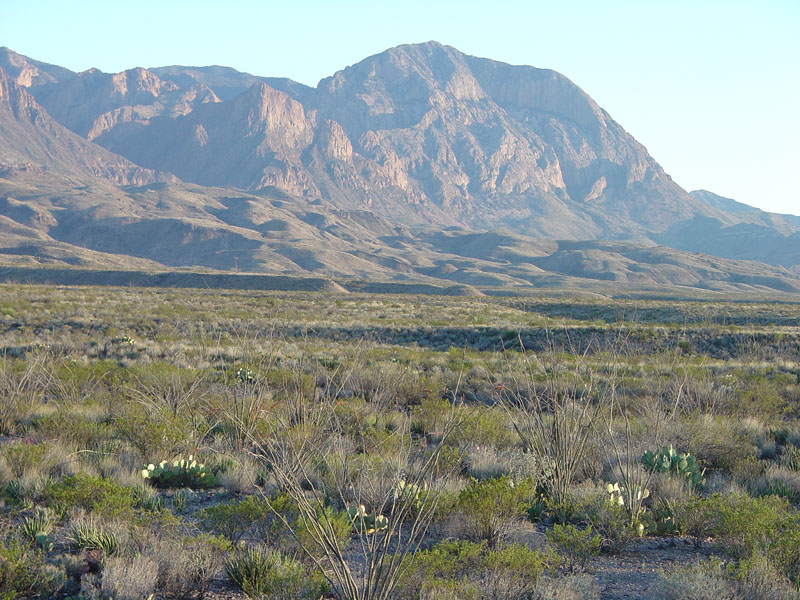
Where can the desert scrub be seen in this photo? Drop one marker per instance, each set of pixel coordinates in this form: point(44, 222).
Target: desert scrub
point(576, 545)
point(36, 527)
point(233, 519)
point(129, 578)
point(711, 580)
point(89, 533)
point(489, 508)
point(264, 573)
point(187, 567)
point(24, 457)
point(487, 427)
point(179, 473)
point(20, 388)
point(99, 496)
point(158, 434)
point(469, 569)
point(742, 526)
point(591, 505)
point(25, 574)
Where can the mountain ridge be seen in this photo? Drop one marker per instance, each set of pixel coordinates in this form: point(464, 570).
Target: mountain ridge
point(412, 142)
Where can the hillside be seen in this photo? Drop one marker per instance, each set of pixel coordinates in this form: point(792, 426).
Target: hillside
point(417, 164)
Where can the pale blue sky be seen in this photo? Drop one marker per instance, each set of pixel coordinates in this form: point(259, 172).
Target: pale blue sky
point(711, 88)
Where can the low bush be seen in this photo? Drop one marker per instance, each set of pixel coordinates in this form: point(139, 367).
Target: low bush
point(101, 497)
point(576, 545)
point(234, 519)
point(462, 569)
point(490, 507)
point(186, 567)
point(129, 578)
point(22, 458)
point(742, 526)
point(24, 573)
point(262, 573)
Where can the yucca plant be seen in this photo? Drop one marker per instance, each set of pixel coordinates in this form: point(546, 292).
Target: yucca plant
point(38, 526)
point(86, 534)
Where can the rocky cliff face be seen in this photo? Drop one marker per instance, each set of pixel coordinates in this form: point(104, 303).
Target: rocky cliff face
point(31, 140)
point(93, 102)
point(421, 134)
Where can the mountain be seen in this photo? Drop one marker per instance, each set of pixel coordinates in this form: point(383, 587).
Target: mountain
point(730, 205)
point(31, 140)
point(417, 164)
point(28, 73)
point(228, 83)
point(422, 134)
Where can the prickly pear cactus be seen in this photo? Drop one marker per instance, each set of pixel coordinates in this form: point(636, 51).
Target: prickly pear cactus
point(410, 492)
point(366, 523)
point(682, 465)
point(179, 473)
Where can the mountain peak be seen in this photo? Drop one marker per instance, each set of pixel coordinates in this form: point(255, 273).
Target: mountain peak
point(421, 134)
point(28, 72)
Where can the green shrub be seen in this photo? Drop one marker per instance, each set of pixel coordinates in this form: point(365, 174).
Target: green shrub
point(488, 427)
point(513, 572)
point(758, 577)
point(704, 581)
point(234, 519)
point(490, 507)
point(430, 415)
point(742, 526)
point(339, 522)
point(576, 545)
point(718, 442)
point(266, 573)
point(160, 434)
point(92, 494)
point(461, 567)
point(22, 458)
point(74, 429)
point(590, 506)
point(24, 573)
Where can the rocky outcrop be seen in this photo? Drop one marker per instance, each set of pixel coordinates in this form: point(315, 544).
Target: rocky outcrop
point(94, 102)
point(31, 139)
